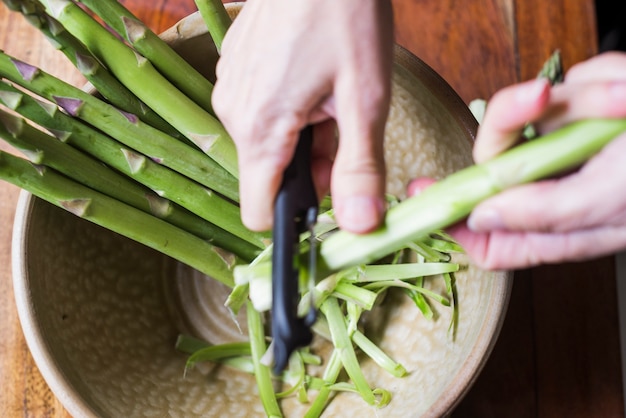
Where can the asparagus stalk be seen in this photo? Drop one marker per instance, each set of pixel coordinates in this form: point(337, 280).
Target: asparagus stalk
point(139, 75)
point(124, 127)
point(148, 44)
point(107, 85)
point(116, 216)
point(453, 198)
point(262, 372)
point(47, 150)
point(216, 19)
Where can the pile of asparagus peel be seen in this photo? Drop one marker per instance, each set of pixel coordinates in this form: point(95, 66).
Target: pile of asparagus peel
point(147, 158)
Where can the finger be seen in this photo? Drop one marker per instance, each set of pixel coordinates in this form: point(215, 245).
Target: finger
point(584, 199)
point(264, 159)
point(603, 67)
point(507, 113)
point(358, 178)
point(513, 250)
point(569, 103)
point(417, 185)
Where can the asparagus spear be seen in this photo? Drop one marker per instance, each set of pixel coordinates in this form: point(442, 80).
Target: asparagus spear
point(216, 19)
point(138, 74)
point(453, 198)
point(107, 85)
point(117, 216)
point(147, 43)
point(124, 127)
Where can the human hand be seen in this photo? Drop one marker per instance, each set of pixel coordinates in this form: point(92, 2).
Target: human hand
point(286, 64)
point(579, 216)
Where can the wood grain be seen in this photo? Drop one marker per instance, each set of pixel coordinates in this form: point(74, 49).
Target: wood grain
point(558, 353)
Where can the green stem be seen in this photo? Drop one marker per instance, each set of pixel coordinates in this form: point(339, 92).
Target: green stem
point(216, 19)
point(140, 76)
point(106, 212)
point(262, 373)
point(342, 343)
point(147, 43)
point(125, 128)
point(382, 272)
point(453, 198)
point(379, 356)
point(331, 373)
point(215, 353)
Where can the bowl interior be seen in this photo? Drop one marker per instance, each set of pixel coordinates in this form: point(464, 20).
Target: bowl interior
point(101, 313)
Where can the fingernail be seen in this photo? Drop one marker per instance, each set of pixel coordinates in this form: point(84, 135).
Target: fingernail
point(359, 214)
point(531, 91)
point(485, 220)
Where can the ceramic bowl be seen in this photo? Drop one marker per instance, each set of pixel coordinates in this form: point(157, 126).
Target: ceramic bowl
point(101, 313)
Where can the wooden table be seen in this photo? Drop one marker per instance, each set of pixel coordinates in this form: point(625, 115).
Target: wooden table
point(558, 354)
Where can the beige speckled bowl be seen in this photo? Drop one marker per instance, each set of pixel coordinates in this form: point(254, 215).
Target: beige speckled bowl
point(101, 313)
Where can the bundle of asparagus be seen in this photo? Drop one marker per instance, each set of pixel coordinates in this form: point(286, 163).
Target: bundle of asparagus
point(169, 181)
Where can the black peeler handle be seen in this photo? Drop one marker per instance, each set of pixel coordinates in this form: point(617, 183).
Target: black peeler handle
point(294, 209)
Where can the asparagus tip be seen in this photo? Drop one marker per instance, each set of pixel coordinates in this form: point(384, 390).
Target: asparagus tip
point(130, 117)
point(56, 7)
point(204, 142)
point(228, 257)
point(135, 30)
point(27, 72)
point(86, 65)
point(11, 99)
point(53, 25)
point(70, 104)
point(76, 206)
point(62, 136)
point(48, 107)
point(135, 161)
point(11, 123)
point(159, 206)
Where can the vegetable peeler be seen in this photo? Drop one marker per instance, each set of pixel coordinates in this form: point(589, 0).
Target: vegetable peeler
point(295, 212)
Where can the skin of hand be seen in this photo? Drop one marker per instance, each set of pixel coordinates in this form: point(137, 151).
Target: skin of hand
point(285, 64)
point(578, 216)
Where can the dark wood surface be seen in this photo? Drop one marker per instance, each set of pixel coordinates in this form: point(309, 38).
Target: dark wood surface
point(558, 354)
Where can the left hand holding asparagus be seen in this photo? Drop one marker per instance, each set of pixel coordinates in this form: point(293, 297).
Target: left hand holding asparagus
point(575, 217)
